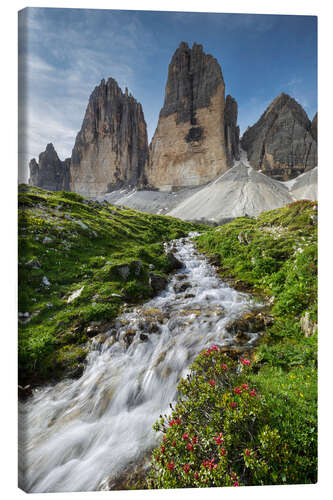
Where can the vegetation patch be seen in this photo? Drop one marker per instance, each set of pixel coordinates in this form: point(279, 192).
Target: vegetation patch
point(80, 261)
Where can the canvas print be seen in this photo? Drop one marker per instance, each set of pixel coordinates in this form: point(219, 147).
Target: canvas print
point(167, 234)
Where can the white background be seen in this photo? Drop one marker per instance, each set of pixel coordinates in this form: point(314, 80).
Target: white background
point(8, 246)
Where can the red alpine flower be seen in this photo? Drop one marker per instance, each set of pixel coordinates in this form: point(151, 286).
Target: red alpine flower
point(185, 436)
point(212, 382)
point(177, 421)
point(162, 449)
point(252, 393)
point(233, 405)
point(190, 447)
point(223, 451)
point(224, 366)
point(244, 361)
point(219, 438)
point(236, 483)
point(214, 348)
point(172, 422)
point(171, 465)
point(247, 452)
point(237, 390)
point(245, 386)
point(195, 439)
point(186, 468)
point(196, 475)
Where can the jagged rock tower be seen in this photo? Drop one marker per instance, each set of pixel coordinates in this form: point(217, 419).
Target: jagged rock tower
point(189, 146)
point(111, 149)
point(50, 173)
point(283, 142)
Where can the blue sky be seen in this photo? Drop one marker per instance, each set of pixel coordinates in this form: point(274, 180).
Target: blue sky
point(66, 52)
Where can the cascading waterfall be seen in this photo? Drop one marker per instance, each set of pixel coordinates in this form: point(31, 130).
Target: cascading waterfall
point(82, 434)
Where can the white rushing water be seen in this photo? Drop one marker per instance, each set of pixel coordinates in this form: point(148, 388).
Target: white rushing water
point(81, 434)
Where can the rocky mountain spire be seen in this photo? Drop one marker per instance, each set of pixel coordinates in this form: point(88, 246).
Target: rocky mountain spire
point(188, 147)
point(111, 148)
point(50, 173)
point(281, 144)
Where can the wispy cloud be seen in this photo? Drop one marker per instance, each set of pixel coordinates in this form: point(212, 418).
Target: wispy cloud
point(66, 55)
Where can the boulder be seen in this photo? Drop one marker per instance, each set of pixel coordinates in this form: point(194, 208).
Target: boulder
point(157, 282)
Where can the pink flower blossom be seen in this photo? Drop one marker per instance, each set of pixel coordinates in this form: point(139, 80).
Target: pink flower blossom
point(178, 420)
point(195, 439)
point(209, 464)
point(196, 475)
point(172, 422)
point(185, 436)
point(245, 386)
point(233, 405)
point(214, 348)
point(212, 382)
point(223, 451)
point(162, 449)
point(190, 447)
point(252, 393)
point(247, 452)
point(236, 483)
point(244, 361)
point(224, 366)
point(219, 438)
point(186, 468)
point(171, 465)
point(237, 390)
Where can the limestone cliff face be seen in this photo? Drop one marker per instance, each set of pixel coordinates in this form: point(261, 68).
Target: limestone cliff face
point(50, 173)
point(188, 147)
point(231, 130)
point(111, 148)
point(281, 144)
point(314, 127)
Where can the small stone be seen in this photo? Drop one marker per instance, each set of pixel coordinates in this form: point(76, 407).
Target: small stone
point(143, 337)
point(45, 281)
point(182, 287)
point(33, 263)
point(74, 295)
point(47, 240)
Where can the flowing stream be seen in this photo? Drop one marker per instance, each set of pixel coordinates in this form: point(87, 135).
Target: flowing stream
point(82, 434)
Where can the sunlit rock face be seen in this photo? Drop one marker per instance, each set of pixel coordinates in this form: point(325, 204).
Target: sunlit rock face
point(111, 148)
point(50, 172)
point(188, 147)
point(282, 144)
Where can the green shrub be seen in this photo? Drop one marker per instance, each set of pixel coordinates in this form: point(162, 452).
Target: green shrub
point(218, 434)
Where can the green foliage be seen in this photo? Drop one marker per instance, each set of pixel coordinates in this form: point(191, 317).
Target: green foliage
point(218, 434)
point(76, 243)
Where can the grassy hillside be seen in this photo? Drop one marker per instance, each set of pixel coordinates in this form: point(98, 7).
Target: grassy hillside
point(253, 421)
point(104, 253)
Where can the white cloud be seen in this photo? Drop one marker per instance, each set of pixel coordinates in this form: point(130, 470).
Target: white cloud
point(64, 59)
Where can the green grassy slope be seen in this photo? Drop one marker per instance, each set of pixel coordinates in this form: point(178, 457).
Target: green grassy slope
point(67, 243)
